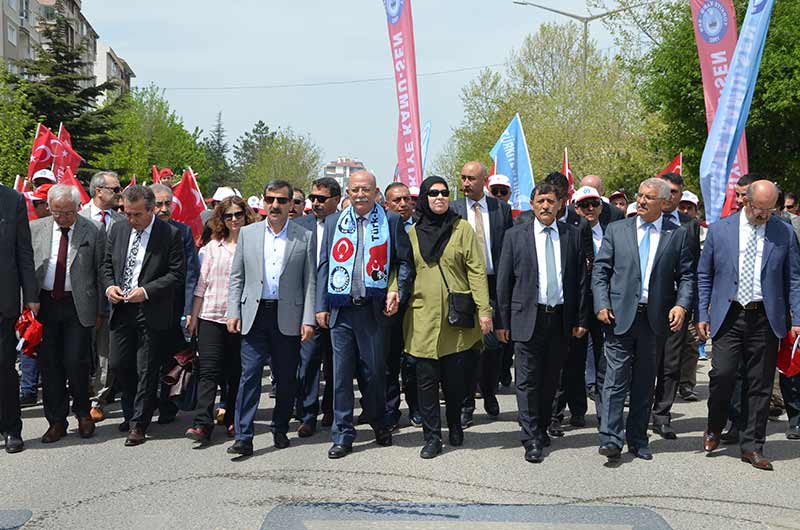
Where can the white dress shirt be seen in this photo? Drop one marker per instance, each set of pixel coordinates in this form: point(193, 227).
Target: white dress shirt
point(274, 247)
point(320, 234)
point(97, 214)
point(486, 228)
point(655, 237)
point(540, 237)
point(50, 275)
point(408, 224)
point(744, 235)
point(676, 220)
point(597, 237)
point(137, 268)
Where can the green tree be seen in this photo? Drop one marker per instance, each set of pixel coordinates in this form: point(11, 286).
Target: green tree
point(247, 147)
point(216, 150)
point(600, 119)
point(288, 156)
point(149, 132)
point(60, 87)
point(17, 127)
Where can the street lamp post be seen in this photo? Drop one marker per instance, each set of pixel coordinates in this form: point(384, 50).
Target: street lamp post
point(585, 20)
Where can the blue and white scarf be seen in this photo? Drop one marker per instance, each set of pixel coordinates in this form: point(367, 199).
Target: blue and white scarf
point(343, 255)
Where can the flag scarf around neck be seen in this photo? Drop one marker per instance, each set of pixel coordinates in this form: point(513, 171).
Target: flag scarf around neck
point(343, 256)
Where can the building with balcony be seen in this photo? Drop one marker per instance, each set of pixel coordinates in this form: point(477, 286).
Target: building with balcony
point(111, 67)
point(341, 169)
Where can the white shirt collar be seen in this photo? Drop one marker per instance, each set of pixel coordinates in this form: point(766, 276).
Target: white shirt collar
point(744, 221)
point(539, 227)
point(57, 229)
point(482, 202)
point(656, 223)
point(150, 226)
point(279, 234)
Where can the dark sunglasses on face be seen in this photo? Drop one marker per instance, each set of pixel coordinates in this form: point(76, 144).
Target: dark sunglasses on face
point(234, 215)
point(281, 200)
point(499, 190)
point(436, 193)
point(298, 201)
point(318, 198)
point(589, 204)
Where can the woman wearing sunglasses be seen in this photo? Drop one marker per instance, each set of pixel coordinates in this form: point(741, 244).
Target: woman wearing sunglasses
point(447, 259)
point(219, 362)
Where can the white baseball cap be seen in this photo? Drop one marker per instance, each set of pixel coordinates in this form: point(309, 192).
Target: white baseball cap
point(499, 180)
point(688, 196)
point(583, 193)
point(632, 208)
point(44, 174)
point(223, 192)
point(254, 202)
point(413, 191)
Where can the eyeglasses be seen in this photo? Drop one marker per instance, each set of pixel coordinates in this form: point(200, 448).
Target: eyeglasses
point(233, 215)
point(298, 201)
point(589, 204)
point(281, 200)
point(318, 198)
point(436, 193)
point(499, 190)
point(163, 204)
point(763, 210)
point(62, 214)
point(648, 198)
point(398, 200)
point(115, 189)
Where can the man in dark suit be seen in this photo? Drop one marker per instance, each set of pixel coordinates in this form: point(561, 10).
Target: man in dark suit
point(749, 291)
point(541, 292)
point(671, 349)
point(68, 252)
point(642, 283)
point(490, 226)
point(167, 409)
point(143, 267)
point(325, 195)
point(608, 215)
point(356, 297)
point(16, 271)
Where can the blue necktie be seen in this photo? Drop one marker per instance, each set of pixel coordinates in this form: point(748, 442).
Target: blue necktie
point(644, 253)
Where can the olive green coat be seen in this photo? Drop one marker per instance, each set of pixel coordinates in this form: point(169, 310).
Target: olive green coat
point(426, 331)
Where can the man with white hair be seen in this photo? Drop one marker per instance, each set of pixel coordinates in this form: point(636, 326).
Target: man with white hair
point(67, 253)
point(643, 286)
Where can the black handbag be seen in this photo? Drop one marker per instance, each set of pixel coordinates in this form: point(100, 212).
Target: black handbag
point(460, 307)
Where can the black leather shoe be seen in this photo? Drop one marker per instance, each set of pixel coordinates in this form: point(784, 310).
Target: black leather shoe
point(416, 419)
point(610, 451)
point(431, 448)
point(14, 444)
point(793, 433)
point(491, 406)
point(456, 435)
point(339, 451)
point(124, 426)
point(466, 419)
point(578, 421)
point(641, 452)
point(165, 419)
point(555, 430)
point(241, 448)
point(533, 453)
point(730, 437)
point(505, 378)
point(546, 440)
point(383, 437)
point(281, 440)
point(665, 431)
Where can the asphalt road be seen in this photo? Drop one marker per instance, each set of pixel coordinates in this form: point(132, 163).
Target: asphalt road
point(166, 484)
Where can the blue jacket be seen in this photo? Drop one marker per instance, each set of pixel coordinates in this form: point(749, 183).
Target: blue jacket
point(183, 304)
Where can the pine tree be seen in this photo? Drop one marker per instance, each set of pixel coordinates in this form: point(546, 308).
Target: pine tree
point(249, 145)
point(216, 149)
point(60, 88)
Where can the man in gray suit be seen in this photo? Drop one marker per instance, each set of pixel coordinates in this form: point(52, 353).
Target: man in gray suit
point(105, 191)
point(643, 286)
point(67, 253)
point(271, 303)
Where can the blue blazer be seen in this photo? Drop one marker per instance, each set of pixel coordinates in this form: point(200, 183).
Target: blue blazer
point(617, 278)
point(718, 274)
point(184, 300)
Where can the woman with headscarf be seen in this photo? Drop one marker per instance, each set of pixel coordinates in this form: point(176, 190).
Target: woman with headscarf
point(447, 258)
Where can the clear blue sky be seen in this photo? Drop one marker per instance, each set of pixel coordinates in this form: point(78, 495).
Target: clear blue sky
point(184, 44)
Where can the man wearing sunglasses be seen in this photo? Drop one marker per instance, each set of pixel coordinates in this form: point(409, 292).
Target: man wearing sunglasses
point(271, 303)
point(298, 204)
point(106, 194)
point(490, 218)
point(324, 197)
point(500, 188)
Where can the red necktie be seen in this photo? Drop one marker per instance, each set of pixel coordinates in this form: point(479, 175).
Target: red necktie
point(61, 265)
point(103, 218)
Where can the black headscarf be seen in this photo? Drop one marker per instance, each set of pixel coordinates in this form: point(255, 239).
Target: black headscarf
point(433, 230)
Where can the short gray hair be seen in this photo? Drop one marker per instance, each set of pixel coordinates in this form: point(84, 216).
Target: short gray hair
point(64, 191)
point(660, 185)
point(99, 179)
point(137, 193)
point(163, 188)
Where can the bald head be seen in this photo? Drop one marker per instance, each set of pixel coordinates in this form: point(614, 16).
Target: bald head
point(362, 188)
point(595, 182)
point(760, 201)
point(473, 180)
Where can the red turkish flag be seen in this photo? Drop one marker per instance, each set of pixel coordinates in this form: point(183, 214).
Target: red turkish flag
point(676, 166)
point(187, 203)
point(567, 171)
point(131, 183)
point(70, 180)
point(64, 156)
point(20, 184)
point(64, 136)
point(156, 177)
point(42, 155)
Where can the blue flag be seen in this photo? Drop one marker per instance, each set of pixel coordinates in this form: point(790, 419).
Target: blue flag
point(510, 155)
point(733, 108)
point(426, 138)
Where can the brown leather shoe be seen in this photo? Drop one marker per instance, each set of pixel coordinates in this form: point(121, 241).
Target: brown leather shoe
point(97, 414)
point(305, 430)
point(710, 441)
point(85, 427)
point(54, 433)
point(327, 420)
point(135, 437)
point(757, 460)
